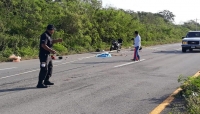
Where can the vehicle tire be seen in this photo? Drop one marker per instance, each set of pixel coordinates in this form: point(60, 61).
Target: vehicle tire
point(183, 50)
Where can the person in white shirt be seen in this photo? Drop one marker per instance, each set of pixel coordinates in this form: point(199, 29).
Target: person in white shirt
point(137, 45)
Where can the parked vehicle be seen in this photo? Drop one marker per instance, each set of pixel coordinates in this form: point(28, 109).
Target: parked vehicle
point(191, 41)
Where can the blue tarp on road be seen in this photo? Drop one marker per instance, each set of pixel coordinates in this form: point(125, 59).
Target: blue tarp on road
point(104, 55)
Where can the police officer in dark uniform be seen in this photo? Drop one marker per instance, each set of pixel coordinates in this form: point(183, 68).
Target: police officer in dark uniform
point(46, 66)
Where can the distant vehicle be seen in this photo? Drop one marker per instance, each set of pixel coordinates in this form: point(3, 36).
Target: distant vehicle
point(191, 41)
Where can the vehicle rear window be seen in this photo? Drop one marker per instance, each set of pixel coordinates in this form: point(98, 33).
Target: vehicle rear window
point(193, 34)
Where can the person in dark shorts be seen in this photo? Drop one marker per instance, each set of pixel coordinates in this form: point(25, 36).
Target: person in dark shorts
point(46, 65)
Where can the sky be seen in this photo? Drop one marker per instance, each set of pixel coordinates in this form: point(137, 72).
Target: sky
point(184, 10)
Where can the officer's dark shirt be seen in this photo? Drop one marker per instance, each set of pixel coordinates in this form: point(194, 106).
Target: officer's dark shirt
point(45, 39)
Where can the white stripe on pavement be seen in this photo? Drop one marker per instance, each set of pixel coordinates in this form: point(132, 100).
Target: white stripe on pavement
point(128, 63)
point(8, 68)
point(39, 69)
point(19, 74)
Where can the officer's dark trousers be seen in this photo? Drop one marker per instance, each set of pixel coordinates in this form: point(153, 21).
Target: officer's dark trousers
point(46, 67)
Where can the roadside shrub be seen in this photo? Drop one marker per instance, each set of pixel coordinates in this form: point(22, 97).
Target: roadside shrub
point(7, 52)
point(60, 48)
point(27, 52)
point(190, 91)
point(190, 85)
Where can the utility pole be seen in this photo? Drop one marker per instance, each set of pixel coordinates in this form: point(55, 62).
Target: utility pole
point(196, 23)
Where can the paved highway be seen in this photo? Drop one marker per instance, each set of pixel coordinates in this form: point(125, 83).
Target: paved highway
point(85, 84)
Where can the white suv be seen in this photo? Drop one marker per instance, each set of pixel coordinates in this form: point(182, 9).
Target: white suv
point(191, 41)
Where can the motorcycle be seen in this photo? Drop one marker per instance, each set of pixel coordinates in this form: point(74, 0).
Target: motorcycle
point(116, 45)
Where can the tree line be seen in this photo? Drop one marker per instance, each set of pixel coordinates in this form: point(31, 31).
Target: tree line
point(84, 26)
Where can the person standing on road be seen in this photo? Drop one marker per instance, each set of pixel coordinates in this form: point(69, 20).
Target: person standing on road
point(137, 45)
point(46, 65)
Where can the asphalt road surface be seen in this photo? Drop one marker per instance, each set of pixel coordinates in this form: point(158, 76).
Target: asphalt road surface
point(85, 84)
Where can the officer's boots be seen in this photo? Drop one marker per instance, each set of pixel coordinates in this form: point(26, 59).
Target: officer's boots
point(47, 82)
point(41, 85)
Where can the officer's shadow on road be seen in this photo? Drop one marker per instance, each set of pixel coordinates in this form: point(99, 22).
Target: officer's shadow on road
point(176, 105)
point(156, 100)
point(17, 89)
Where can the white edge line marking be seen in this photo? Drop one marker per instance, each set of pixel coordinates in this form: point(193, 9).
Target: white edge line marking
point(128, 63)
point(8, 68)
point(39, 69)
point(19, 74)
point(57, 61)
point(85, 57)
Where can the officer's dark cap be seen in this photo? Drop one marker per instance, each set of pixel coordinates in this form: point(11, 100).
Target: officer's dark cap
point(51, 27)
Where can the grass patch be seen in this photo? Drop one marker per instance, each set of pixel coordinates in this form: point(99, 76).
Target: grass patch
point(191, 95)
